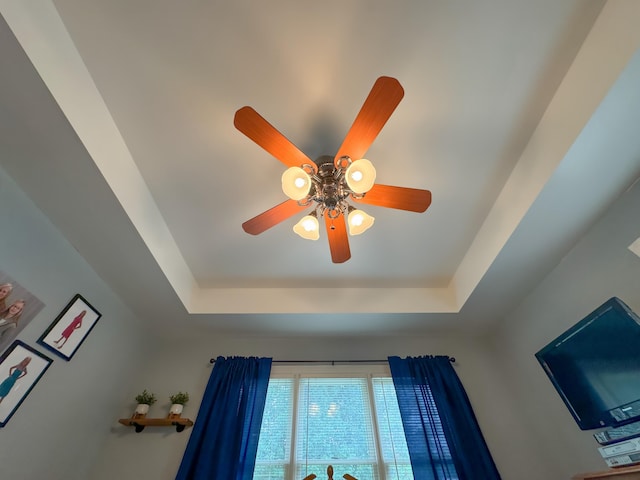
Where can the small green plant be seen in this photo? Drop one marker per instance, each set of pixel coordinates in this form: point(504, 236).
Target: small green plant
point(179, 398)
point(146, 398)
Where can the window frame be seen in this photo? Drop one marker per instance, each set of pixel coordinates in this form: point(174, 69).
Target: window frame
point(368, 371)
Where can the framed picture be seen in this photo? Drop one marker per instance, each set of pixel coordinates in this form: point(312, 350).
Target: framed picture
point(20, 369)
point(70, 328)
point(18, 306)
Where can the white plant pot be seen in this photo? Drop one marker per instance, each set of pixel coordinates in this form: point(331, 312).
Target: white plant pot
point(176, 409)
point(142, 409)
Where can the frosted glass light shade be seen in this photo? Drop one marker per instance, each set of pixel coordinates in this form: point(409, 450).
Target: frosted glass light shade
point(308, 228)
point(359, 222)
point(360, 175)
point(296, 183)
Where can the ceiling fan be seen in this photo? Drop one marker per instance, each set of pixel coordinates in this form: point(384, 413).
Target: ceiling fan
point(328, 184)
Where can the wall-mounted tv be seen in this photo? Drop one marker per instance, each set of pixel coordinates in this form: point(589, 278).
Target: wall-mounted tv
point(595, 366)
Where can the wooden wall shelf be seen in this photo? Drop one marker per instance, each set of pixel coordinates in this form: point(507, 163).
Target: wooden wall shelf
point(141, 421)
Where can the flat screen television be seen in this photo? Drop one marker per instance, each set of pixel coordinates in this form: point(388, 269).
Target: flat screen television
point(595, 366)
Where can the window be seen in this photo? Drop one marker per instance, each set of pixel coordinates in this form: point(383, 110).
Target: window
point(342, 416)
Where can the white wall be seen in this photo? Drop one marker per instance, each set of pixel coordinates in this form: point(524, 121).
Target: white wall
point(598, 267)
point(61, 426)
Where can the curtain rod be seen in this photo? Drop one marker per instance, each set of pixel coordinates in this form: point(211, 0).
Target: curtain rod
point(332, 362)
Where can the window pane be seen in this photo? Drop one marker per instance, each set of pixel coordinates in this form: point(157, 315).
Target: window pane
point(269, 472)
point(274, 446)
point(393, 444)
point(361, 472)
point(334, 427)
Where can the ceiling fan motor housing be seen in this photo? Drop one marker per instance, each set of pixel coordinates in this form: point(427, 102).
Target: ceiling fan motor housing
point(330, 190)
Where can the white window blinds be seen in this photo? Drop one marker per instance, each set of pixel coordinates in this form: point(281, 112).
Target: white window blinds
point(334, 427)
point(395, 453)
point(274, 446)
point(350, 421)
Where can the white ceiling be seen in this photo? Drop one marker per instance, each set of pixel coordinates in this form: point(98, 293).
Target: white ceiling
point(517, 116)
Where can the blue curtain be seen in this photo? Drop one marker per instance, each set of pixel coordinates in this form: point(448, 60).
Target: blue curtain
point(443, 436)
point(224, 441)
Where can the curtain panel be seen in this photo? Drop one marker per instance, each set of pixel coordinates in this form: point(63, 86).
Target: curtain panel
point(445, 444)
point(224, 440)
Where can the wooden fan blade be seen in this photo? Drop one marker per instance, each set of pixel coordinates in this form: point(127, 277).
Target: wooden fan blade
point(401, 198)
point(254, 126)
point(338, 239)
point(376, 110)
point(273, 216)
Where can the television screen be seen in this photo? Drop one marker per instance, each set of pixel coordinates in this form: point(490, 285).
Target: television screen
point(595, 366)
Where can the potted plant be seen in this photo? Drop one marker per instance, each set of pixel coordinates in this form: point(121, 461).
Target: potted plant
point(177, 402)
point(145, 400)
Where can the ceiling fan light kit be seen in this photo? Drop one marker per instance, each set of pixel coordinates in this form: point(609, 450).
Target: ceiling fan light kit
point(328, 184)
point(327, 192)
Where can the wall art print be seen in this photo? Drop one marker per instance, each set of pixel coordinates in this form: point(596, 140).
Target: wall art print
point(18, 306)
point(20, 369)
point(67, 332)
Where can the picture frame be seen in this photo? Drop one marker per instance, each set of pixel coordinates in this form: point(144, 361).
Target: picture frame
point(18, 307)
point(21, 367)
point(70, 328)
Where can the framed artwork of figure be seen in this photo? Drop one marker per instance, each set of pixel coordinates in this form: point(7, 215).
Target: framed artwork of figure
point(20, 369)
point(67, 332)
point(18, 306)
